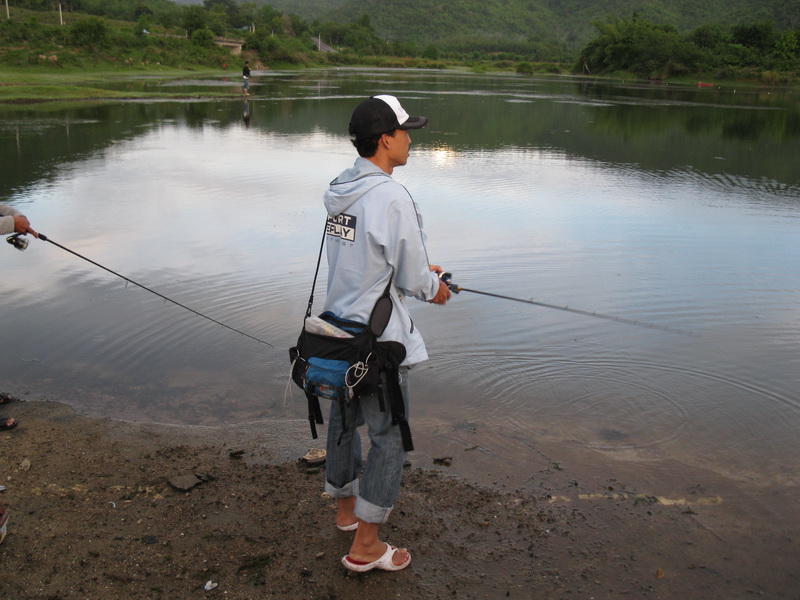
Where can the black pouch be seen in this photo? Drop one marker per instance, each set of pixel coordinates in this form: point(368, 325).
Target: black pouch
point(341, 368)
point(331, 367)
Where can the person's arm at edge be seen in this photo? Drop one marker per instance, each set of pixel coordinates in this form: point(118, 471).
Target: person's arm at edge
point(13, 221)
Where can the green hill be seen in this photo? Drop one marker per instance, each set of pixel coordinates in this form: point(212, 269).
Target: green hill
point(653, 39)
point(566, 22)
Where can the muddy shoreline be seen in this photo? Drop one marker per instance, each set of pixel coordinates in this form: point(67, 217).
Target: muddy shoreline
point(94, 513)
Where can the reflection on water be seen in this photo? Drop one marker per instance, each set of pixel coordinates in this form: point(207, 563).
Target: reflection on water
point(675, 206)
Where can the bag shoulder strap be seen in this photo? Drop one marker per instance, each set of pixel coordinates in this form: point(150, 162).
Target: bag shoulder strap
point(382, 310)
point(316, 271)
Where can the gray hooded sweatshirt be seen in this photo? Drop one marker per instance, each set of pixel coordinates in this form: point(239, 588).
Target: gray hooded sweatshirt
point(374, 233)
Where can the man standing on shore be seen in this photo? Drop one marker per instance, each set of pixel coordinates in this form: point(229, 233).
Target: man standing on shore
point(384, 243)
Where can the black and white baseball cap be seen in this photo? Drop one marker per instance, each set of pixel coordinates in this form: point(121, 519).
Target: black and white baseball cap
point(381, 114)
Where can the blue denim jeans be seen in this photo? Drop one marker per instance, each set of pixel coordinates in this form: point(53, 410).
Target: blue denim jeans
point(383, 470)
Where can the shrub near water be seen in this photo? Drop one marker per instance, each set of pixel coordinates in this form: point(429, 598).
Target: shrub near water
point(524, 68)
point(90, 33)
point(18, 39)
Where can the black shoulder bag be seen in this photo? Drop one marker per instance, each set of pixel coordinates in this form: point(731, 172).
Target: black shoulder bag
point(340, 360)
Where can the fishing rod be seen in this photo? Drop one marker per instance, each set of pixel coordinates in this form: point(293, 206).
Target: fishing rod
point(20, 243)
point(455, 288)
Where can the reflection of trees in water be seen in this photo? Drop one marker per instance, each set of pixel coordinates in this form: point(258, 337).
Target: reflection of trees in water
point(745, 127)
point(43, 140)
point(655, 127)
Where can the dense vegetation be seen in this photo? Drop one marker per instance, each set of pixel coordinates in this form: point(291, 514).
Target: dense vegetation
point(657, 51)
point(92, 41)
point(552, 26)
point(145, 32)
point(512, 34)
point(161, 32)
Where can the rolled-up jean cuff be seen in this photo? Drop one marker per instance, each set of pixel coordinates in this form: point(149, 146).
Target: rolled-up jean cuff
point(371, 513)
point(347, 491)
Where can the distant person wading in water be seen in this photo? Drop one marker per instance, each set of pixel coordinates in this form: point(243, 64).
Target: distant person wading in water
point(246, 78)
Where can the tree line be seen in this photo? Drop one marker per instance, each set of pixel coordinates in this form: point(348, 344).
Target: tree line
point(654, 51)
point(275, 37)
point(633, 45)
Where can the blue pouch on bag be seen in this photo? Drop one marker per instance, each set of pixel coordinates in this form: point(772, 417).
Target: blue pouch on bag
point(325, 378)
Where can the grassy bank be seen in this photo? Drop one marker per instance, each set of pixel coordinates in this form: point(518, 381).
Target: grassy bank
point(22, 85)
point(56, 83)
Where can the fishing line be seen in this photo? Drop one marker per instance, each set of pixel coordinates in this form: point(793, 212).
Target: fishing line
point(152, 291)
point(19, 242)
point(446, 277)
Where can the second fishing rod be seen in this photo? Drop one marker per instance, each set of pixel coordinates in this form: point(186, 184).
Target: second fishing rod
point(20, 242)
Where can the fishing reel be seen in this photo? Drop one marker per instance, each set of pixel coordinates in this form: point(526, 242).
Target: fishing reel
point(18, 240)
point(447, 278)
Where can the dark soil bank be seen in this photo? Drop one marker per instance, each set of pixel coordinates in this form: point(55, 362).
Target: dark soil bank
point(95, 514)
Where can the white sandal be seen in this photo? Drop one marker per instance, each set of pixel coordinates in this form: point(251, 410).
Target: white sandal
point(384, 563)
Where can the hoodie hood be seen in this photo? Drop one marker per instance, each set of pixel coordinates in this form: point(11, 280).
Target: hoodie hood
point(353, 183)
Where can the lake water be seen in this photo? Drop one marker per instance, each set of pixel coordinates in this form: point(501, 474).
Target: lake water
point(672, 205)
